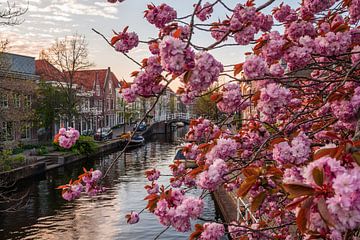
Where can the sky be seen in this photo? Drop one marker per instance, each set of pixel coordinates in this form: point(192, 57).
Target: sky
point(47, 20)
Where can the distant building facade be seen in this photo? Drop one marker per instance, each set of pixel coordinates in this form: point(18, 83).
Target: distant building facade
point(17, 95)
point(96, 96)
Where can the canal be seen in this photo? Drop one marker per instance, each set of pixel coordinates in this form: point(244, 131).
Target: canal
point(48, 216)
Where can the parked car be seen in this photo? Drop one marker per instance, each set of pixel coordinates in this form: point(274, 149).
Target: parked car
point(103, 134)
point(142, 126)
point(88, 132)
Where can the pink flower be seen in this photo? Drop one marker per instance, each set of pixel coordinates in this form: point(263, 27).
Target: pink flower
point(152, 174)
point(127, 41)
point(284, 13)
point(132, 218)
point(224, 149)
point(211, 178)
point(355, 56)
point(254, 67)
point(129, 94)
point(212, 231)
point(175, 58)
point(204, 13)
point(206, 71)
point(273, 99)
point(231, 100)
point(160, 15)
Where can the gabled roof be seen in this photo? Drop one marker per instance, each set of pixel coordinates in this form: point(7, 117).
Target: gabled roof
point(84, 78)
point(88, 78)
point(47, 71)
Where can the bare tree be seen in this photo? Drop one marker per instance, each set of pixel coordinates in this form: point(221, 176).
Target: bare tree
point(10, 13)
point(68, 56)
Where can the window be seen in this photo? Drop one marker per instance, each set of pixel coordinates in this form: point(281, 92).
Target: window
point(17, 100)
point(27, 101)
point(112, 103)
point(97, 90)
point(7, 131)
point(26, 131)
point(4, 103)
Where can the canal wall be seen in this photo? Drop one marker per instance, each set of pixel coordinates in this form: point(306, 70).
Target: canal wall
point(226, 204)
point(55, 160)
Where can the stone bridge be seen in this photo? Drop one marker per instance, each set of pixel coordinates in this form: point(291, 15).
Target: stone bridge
point(164, 123)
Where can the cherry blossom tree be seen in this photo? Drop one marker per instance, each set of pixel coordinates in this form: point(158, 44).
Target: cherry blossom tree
point(296, 156)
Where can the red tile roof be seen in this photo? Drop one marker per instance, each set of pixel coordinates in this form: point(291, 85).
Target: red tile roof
point(85, 78)
point(47, 71)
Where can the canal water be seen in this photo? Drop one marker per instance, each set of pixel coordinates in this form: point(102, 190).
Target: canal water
point(48, 216)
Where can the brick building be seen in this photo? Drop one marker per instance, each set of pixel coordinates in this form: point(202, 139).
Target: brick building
point(17, 94)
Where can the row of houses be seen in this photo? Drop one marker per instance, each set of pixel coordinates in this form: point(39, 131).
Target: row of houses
point(97, 90)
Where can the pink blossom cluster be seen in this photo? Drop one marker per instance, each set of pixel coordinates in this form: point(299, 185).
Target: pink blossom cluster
point(345, 204)
point(129, 94)
point(132, 218)
point(246, 22)
point(332, 43)
point(152, 174)
point(67, 138)
point(251, 139)
point(297, 152)
point(214, 176)
point(231, 100)
point(147, 83)
point(272, 51)
point(203, 12)
point(225, 148)
point(355, 56)
point(284, 13)
point(206, 71)
point(175, 57)
point(201, 129)
point(212, 231)
point(316, 6)
point(90, 179)
point(177, 210)
point(254, 67)
point(160, 15)
point(273, 100)
point(354, 11)
point(219, 31)
point(126, 42)
point(295, 30)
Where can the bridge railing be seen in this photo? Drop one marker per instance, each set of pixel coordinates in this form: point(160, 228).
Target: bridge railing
point(174, 116)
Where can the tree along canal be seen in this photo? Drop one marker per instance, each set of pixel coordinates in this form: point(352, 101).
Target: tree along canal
point(48, 216)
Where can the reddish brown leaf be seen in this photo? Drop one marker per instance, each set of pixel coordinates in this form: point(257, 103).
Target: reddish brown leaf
point(298, 190)
point(251, 171)
point(198, 230)
point(256, 97)
point(324, 213)
point(238, 68)
point(303, 215)
point(216, 97)
point(246, 186)
point(177, 33)
point(324, 152)
point(257, 201)
point(356, 157)
point(295, 203)
point(318, 176)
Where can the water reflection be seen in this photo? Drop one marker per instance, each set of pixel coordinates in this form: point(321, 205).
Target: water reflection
point(47, 216)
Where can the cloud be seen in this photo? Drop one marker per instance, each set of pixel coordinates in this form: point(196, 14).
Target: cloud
point(53, 18)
